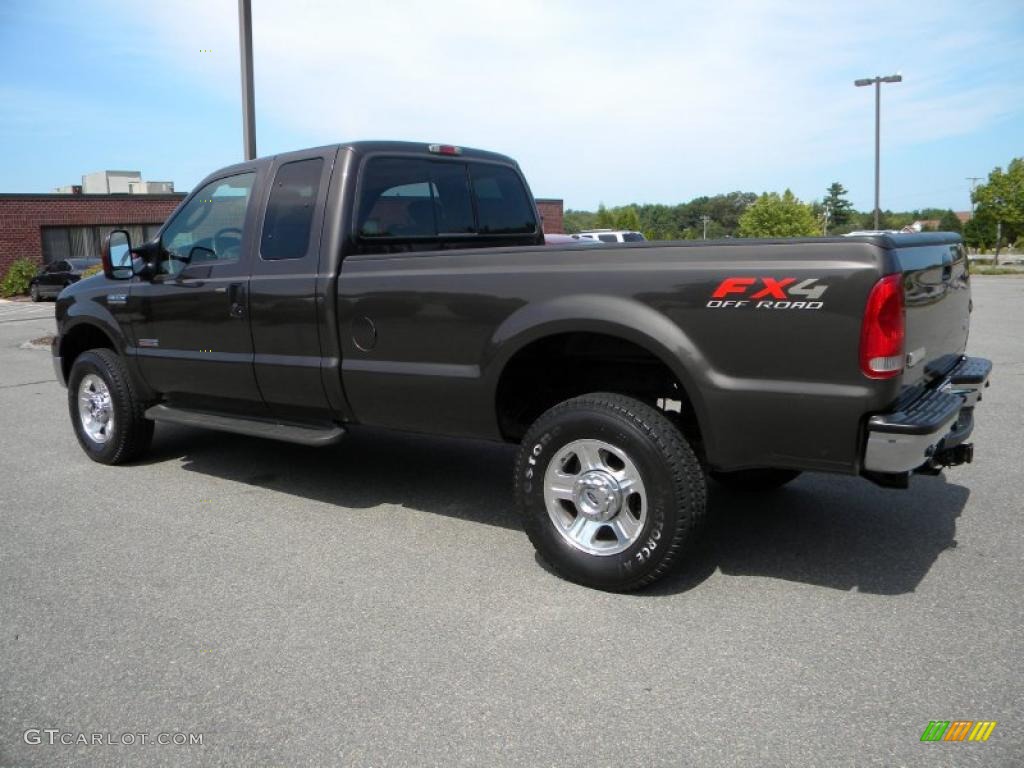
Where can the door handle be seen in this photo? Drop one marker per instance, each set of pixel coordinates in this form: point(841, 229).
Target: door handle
point(236, 296)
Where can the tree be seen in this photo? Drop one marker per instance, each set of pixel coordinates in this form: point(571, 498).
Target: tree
point(605, 218)
point(627, 218)
point(775, 215)
point(839, 208)
point(950, 222)
point(1002, 199)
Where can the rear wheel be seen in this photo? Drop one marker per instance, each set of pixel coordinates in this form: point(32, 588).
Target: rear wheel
point(754, 480)
point(610, 491)
point(105, 409)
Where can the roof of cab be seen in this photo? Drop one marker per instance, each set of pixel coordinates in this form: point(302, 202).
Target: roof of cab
point(416, 147)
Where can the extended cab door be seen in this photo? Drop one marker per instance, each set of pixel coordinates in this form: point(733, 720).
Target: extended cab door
point(284, 292)
point(191, 319)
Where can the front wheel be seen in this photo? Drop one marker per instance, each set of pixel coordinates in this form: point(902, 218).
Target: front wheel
point(105, 409)
point(610, 491)
point(34, 292)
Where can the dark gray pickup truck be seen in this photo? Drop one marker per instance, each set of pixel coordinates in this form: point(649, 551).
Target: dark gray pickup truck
point(408, 286)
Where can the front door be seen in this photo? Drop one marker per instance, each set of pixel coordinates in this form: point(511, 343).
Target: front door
point(191, 320)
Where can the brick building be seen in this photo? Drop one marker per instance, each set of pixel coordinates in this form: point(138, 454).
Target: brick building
point(49, 227)
point(551, 212)
point(45, 228)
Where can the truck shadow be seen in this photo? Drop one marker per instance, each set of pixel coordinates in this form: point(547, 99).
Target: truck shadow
point(838, 532)
point(830, 531)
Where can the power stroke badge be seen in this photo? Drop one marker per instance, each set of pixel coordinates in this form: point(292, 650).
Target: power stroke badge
point(768, 293)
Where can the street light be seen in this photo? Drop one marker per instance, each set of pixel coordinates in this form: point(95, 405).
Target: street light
point(877, 82)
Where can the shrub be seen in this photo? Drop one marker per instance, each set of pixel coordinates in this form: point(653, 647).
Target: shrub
point(18, 276)
point(95, 269)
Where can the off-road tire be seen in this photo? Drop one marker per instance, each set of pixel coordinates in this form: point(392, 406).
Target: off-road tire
point(675, 489)
point(132, 432)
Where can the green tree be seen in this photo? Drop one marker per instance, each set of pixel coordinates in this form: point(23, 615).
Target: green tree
point(627, 218)
point(950, 222)
point(839, 208)
point(1002, 199)
point(605, 218)
point(775, 215)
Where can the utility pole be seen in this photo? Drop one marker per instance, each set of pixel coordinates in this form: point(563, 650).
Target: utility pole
point(248, 97)
point(877, 82)
point(705, 218)
point(826, 214)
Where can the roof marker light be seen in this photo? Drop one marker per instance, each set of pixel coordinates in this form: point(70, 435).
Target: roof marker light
point(445, 149)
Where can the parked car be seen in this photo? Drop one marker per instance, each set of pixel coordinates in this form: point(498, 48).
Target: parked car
point(613, 236)
point(55, 277)
point(550, 239)
point(407, 286)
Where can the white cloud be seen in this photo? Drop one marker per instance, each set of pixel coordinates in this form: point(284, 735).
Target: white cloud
point(613, 101)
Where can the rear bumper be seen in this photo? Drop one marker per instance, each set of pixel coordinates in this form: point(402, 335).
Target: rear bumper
point(930, 432)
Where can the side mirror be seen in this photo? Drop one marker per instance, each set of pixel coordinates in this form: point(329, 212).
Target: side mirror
point(117, 256)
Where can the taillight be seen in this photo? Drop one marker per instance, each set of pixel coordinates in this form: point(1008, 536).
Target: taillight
point(883, 330)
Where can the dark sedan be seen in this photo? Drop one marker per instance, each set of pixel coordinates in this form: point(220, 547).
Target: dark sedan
point(55, 277)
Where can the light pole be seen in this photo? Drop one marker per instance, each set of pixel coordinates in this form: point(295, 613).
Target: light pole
point(877, 82)
point(705, 218)
point(248, 103)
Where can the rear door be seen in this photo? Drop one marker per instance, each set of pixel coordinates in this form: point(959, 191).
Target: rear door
point(191, 320)
point(937, 298)
point(283, 290)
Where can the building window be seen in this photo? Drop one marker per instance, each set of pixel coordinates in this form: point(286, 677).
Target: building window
point(87, 242)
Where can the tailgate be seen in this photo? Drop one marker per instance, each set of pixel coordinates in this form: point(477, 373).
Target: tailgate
point(937, 297)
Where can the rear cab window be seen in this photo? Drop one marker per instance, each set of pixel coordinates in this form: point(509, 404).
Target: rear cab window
point(408, 203)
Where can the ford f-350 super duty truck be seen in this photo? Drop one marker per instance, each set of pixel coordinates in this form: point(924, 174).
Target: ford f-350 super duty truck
point(407, 286)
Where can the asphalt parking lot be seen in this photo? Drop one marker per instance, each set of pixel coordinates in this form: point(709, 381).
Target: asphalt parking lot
point(376, 604)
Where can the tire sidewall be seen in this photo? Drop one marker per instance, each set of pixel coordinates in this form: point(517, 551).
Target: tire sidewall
point(107, 452)
point(664, 509)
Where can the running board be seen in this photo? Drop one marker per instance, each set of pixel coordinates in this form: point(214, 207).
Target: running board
point(290, 433)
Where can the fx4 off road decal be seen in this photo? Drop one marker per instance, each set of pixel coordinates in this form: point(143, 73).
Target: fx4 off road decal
point(768, 293)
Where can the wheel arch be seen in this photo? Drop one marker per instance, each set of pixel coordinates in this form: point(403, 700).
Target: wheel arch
point(634, 324)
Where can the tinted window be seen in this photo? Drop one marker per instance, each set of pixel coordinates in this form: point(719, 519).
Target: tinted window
point(414, 198)
point(608, 238)
point(633, 237)
point(503, 206)
point(286, 228)
point(211, 220)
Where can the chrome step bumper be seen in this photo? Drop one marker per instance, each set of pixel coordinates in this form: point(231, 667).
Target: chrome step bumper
point(930, 432)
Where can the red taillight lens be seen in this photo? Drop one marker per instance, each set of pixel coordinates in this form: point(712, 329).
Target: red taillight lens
point(883, 330)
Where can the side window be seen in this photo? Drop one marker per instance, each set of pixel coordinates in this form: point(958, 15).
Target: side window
point(211, 221)
point(608, 238)
point(503, 206)
point(290, 210)
point(414, 198)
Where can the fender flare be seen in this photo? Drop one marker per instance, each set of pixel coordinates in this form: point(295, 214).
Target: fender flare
point(590, 313)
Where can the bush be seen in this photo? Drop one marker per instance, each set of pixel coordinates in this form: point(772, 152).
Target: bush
point(17, 278)
point(95, 269)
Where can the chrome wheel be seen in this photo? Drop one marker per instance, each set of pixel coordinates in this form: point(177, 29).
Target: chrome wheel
point(95, 408)
point(595, 497)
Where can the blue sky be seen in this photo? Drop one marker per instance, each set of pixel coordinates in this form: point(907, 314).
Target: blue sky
point(610, 102)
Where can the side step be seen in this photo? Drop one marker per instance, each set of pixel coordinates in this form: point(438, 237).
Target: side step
point(290, 433)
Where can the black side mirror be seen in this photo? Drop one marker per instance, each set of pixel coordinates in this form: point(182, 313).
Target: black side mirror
point(117, 255)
